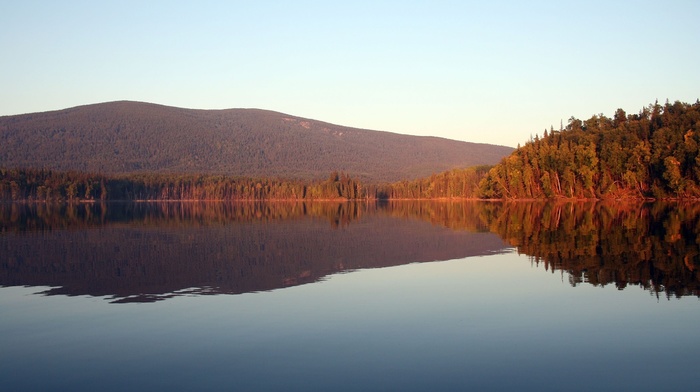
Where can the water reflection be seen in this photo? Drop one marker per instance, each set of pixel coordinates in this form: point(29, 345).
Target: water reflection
point(150, 251)
point(652, 245)
point(147, 252)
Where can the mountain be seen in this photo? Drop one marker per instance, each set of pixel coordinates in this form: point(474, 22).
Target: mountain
point(128, 137)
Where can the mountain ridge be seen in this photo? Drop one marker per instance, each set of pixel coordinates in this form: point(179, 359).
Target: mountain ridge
point(128, 137)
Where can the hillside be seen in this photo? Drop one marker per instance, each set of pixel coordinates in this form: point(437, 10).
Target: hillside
point(652, 154)
point(132, 137)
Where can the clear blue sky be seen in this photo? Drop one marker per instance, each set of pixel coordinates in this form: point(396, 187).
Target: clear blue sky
point(481, 71)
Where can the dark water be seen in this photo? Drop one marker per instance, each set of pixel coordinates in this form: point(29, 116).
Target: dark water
point(325, 296)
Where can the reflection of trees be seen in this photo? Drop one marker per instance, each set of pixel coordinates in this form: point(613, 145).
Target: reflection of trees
point(27, 217)
point(21, 217)
point(653, 245)
point(467, 216)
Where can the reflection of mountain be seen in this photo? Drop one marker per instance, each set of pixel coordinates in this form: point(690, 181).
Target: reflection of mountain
point(147, 252)
point(653, 245)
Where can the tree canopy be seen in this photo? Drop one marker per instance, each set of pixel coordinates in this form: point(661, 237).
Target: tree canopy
point(651, 154)
point(48, 185)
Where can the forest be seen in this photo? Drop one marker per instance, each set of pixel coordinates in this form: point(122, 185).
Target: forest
point(654, 154)
point(452, 184)
point(651, 154)
point(52, 186)
point(44, 185)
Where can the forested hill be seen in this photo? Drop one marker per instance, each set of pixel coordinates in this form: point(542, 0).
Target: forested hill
point(133, 137)
point(652, 154)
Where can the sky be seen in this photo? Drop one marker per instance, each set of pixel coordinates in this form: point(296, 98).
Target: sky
point(495, 72)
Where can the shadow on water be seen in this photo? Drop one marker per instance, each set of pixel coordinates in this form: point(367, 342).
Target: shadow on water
point(144, 252)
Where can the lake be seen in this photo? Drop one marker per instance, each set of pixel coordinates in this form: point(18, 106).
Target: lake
point(408, 296)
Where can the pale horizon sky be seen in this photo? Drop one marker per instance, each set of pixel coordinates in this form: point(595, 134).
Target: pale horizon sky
point(493, 72)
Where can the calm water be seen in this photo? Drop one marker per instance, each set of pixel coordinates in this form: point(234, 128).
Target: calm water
point(404, 296)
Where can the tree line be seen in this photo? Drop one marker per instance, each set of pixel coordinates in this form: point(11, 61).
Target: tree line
point(652, 154)
point(49, 185)
point(452, 184)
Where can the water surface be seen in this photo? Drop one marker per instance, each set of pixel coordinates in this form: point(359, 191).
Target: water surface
point(405, 296)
